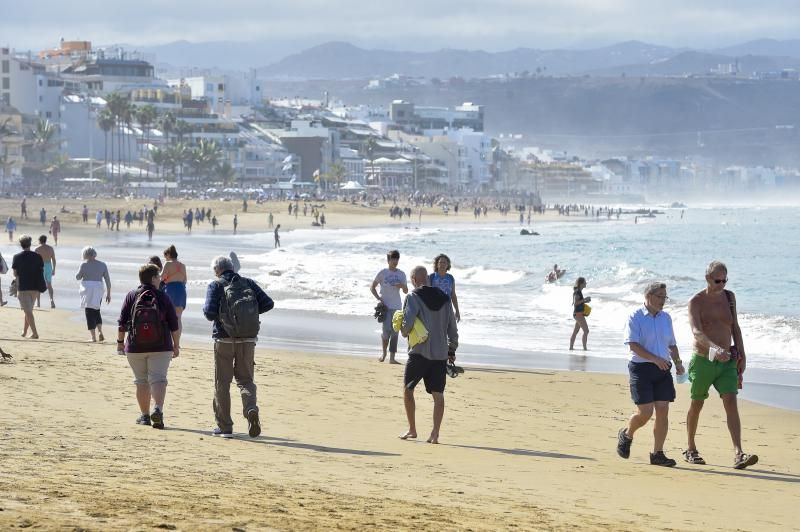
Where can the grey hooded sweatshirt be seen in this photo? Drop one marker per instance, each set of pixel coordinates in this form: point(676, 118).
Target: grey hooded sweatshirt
point(433, 307)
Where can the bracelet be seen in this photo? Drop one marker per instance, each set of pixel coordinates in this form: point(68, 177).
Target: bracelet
point(120, 341)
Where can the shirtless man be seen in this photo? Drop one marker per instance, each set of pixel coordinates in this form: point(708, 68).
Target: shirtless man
point(55, 228)
point(48, 255)
point(712, 316)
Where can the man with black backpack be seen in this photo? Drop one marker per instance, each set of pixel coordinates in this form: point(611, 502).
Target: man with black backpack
point(234, 303)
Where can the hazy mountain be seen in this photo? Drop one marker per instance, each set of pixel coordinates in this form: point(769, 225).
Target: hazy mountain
point(698, 63)
point(340, 60)
point(789, 48)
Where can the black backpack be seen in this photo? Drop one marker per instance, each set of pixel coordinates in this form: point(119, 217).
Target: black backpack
point(146, 329)
point(238, 309)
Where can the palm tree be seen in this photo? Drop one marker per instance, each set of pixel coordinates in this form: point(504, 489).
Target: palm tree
point(43, 133)
point(182, 127)
point(336, 173)
point(226, 173)
point(5, 131)
point(106, 122)
point(167, 124)
point(146, 116)
point(372, 146)
point(117, 105)
point(159, 158)
point(179, 154)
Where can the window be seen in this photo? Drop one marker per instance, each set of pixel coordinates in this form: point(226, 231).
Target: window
point(48, 114)
point(6, 83)
point(6, 67)
point(40, 82)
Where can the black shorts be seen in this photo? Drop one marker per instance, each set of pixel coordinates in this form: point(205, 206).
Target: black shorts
point(649, 384)
point(433, 372)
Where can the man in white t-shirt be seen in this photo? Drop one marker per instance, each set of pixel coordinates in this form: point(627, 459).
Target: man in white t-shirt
point(651, 340)
point(391, 280)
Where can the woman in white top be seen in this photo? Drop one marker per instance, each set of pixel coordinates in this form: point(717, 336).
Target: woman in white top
point(92, 274)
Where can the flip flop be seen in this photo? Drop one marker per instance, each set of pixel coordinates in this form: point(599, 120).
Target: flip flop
point(744, 460)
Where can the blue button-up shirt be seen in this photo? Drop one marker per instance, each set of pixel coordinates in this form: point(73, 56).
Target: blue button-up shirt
point(654, 333)
point(214, 294)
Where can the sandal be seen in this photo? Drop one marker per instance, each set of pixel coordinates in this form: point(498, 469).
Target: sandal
point(743, 460)
point(693, 457)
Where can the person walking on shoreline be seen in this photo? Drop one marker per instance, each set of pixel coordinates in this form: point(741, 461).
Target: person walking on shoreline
point(651, 339)
point(427, 360)
point(277, 236)
point(444, 281)
point(234, 303)
point(48, 255)
point(578, 308)
point(173, 275)
point(718, 360)
point(92, 274)
point(29, 272)
point(11, 226)
point(55, 228)
point(3, 270)
point(391, 280)
point(149, 318)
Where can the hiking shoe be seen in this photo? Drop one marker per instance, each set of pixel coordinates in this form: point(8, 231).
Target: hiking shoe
point(157, 417)
point(623, 444)
point(219, 432)
point(144, 419)
point(661, 459)
point(253, 424)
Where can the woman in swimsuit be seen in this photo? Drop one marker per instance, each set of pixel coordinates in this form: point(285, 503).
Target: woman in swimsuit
point(173, 276)
point(578, 302)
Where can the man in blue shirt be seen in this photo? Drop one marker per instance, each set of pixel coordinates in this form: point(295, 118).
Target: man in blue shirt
point(651, 340)
point(233, 358)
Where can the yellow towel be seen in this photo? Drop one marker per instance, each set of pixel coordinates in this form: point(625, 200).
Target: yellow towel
point(418, 332)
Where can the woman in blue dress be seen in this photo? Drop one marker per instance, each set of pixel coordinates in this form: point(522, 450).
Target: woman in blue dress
point(444, 281)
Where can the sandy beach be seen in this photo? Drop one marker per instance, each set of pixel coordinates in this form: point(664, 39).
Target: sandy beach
point(520, 450)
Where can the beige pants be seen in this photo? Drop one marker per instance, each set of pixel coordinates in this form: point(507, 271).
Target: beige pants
point(26, 300)
point(233, 361)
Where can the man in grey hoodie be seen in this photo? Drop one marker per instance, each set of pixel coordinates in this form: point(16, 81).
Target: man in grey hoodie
point(427, 361)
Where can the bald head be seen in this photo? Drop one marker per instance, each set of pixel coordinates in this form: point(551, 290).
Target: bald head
point(419, 276)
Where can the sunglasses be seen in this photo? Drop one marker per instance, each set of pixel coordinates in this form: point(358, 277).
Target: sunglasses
point(720, 281)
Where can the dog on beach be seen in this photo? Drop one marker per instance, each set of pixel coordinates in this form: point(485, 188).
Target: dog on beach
point(6, 356)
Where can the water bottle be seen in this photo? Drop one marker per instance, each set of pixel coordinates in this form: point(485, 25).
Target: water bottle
point(681, 379)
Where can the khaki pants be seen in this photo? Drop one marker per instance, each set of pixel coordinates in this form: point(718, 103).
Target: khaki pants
point(26, 300)
point(233, 361)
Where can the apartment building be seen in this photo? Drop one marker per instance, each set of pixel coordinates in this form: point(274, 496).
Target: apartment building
point(11, 146)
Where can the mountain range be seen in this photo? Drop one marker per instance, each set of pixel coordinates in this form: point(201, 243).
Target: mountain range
point(343, 60)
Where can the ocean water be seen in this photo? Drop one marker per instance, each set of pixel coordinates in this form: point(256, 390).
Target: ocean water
point(320, 281)
point(505, 302)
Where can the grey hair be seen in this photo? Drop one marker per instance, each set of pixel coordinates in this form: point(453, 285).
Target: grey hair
point(714, 266)
point(222, 263)
point(88, 253)
point(419, 270)
point(652, 288)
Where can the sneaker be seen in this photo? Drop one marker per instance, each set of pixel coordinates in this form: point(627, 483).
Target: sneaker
point(144, 419)
point(661, 459)
point(219, 432)
point(157, 417)
point(254, 425)
point(623, 444)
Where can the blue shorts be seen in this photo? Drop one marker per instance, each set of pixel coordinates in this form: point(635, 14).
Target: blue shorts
point(650, 384)
point(177, 293)
point(48, 272)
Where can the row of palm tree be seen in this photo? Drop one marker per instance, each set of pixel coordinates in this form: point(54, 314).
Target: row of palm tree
point(117, 119)
point(205, 161)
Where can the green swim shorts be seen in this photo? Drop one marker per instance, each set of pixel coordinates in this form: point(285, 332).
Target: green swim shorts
point(704, 373)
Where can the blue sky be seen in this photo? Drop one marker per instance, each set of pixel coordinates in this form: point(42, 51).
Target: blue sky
point(410, 24)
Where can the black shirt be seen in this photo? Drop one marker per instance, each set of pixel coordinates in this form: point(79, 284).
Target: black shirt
point(29, 268)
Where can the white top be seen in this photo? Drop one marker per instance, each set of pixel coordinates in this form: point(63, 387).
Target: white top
point(390, 295)
point(654, 333)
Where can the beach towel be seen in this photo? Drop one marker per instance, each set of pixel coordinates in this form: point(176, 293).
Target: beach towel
point(418, 333)
point(91, 293)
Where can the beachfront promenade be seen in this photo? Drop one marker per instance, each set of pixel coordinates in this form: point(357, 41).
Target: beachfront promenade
point(520, 449)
